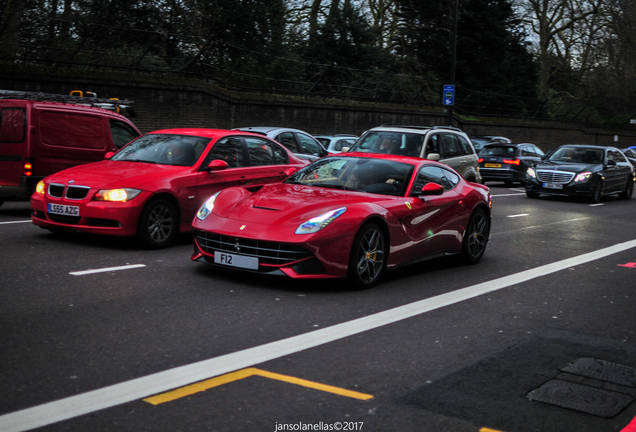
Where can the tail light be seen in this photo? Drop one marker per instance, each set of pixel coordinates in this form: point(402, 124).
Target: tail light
point(480, 160)
point(512, 161)
point(28, 167)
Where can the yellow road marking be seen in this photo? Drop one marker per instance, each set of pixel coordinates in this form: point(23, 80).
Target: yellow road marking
point(244, 373)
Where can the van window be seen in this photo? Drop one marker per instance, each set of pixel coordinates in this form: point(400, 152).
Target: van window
point(72, 130)
point(122, 133)
point(12, 125)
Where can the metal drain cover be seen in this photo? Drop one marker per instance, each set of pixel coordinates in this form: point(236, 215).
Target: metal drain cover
point(602, 370)
point(590, 400)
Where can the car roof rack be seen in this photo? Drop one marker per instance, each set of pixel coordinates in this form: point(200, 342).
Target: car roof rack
point(76, 97)
point(420, 127)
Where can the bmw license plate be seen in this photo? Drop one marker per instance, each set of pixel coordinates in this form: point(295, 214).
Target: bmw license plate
point(65, 210)
point(552, 186)
point(233, 260)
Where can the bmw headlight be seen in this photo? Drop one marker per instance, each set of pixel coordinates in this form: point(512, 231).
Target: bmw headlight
point(117, 195)
point(40, 188)
point(531, 173)
point(319, 222)
point(584, 176)
point(207, 207)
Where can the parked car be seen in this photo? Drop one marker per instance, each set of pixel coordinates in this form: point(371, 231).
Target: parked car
point(153, 187)
point(298, 142)
point(448, 145)
point(41, 137)
point(347, 215)
point(337, 143)
point(582, 170)
point(507, 162)
point(479, 141)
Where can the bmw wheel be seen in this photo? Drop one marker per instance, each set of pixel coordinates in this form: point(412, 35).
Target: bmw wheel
point(158, 224)
point(476, 236)
point(368, 256)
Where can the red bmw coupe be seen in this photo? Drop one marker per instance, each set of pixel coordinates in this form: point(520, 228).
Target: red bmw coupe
point(154, 186)
point(351, 215)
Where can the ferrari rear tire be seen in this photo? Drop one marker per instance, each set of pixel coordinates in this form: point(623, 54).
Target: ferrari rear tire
point(476, 236)
point(158, 224)
point(368, 256)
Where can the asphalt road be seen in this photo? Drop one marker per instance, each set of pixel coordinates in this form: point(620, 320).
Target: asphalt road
point(92, 327)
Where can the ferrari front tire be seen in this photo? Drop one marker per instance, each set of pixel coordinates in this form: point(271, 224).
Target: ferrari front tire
point(368, 256)
point(476, 236)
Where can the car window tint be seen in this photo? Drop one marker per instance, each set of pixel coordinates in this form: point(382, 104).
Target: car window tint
point(263, 152)
point(538, 151)
point(433, 145)
point(12, 125)
point(122, 133)
point(228, 149)
point(287, 139)
point(527, 151)
point(504, 151)
point(308, 145)
point(618, 156)
point(464, 146)
point(431, 174)
point(450, 146)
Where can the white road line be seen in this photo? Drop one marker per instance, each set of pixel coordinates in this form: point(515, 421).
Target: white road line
point(597, 205)
point(505, 195)
point(14, 222)
point(143, 387)
point(519, 215)
point(106, 269)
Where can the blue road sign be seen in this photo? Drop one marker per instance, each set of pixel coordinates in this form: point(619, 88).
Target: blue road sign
point(449, 94)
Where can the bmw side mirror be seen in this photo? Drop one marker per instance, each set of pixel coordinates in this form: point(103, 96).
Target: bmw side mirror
point(109, 155)
point(217, 165)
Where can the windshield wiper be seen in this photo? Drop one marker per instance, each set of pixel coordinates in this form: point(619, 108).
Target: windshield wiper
point(137, 160)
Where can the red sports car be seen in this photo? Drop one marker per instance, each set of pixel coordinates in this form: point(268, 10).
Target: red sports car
point(353, 215)
point(154, 186)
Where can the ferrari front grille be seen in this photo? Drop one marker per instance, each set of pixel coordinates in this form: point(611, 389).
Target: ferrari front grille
point(561, 177)
point(267, 252)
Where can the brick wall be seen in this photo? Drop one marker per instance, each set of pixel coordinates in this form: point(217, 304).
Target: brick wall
point(169, 106)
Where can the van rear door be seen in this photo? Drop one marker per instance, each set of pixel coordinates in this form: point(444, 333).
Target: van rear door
point(13, 145)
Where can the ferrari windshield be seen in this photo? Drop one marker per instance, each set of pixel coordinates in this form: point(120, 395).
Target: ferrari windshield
point(577, 155)
point(164, 149)
point(356, 174)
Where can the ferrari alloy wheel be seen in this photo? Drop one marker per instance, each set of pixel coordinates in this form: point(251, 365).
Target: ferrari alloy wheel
point(158, 224)
point(629, 190)
point(596, 191)
point(368, 256)
point(476, 236)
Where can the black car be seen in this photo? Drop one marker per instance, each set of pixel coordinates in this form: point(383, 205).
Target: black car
point(507, 162)
point(582, 170)
point(479, 141)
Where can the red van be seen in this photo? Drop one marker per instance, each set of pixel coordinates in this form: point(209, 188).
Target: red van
point(39, 137)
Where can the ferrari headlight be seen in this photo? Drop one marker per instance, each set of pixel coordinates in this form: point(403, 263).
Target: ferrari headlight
point(116, 195)
point(207, 207)
point(319, 222)
point(40, 188)
point(531, 173)
point(582, 177)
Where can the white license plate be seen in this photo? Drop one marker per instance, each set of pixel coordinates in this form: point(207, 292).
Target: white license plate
point(552, 186)
point(64, 209)
point(239, 261)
